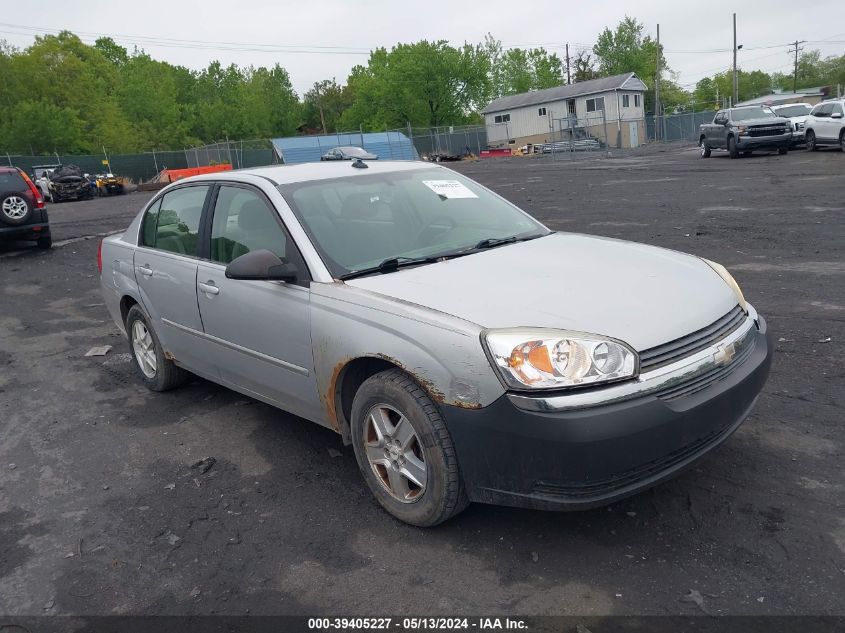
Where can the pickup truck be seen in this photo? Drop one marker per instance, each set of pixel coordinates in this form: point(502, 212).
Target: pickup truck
point(741, 130)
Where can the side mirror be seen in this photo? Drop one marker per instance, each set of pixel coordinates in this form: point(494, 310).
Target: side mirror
point(261, 265)
point(836, 115)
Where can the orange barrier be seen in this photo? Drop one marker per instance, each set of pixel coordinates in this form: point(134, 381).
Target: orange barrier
point(172, 175)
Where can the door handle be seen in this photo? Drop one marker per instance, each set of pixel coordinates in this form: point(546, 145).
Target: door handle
point(145, 270)
point(209, 288)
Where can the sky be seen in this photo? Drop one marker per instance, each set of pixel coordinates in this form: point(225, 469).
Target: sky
point(324, 39)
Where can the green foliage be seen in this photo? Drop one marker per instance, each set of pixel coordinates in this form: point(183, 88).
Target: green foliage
point(519, 70)
point(323, 105)
point(626, 50)
point(425, 83)
point(711, 90)
point(63, 95)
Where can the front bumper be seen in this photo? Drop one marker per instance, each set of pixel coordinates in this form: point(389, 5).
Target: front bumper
point(25, 232)
point(760, 142)
point(581, 457)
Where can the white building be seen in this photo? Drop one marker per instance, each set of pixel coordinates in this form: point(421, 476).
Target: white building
point(610, 109)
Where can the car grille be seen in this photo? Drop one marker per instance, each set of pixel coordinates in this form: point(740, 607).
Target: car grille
point(578, 491)
point(685, 346)
point(708, 378)
point(767, 130)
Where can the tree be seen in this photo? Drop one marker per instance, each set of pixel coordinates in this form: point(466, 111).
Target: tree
point(324, 104)
point(519, 70)
point(584, 67)
point(626, 50)
point(425, 83)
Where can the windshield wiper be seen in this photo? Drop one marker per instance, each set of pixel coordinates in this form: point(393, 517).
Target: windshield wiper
point(492, 242)
point(392, 264)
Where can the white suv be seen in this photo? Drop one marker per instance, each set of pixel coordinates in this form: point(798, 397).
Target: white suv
point(826, 125)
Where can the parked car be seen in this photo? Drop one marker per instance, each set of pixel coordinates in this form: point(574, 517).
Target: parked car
point(797, 115)
point(69, 183)
point(22, 213)
point(464, 350)
point(743, 130)
point(826, 125)
point(108, 185)
point(41, 178)
point(348, 153)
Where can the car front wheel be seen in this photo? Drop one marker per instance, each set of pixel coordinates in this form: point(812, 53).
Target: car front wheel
point(782, 150)
point(732, 150)
point(404, 450)
point(704, 146)
point(810, 140)
point(158, 372)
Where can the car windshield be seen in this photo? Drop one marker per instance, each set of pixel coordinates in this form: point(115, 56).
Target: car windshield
point(744, 114)
point(353, 151)
point(794, 110)
point(356, 223)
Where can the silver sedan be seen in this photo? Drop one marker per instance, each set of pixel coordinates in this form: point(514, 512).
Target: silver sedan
point(464, 350)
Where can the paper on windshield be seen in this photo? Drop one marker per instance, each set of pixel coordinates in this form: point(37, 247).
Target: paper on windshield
point(449, 188)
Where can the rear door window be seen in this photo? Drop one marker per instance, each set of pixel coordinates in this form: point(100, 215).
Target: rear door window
point(177, 220)
point(12, 181)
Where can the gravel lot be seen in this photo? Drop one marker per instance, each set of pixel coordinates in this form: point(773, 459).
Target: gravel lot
point(101, 512)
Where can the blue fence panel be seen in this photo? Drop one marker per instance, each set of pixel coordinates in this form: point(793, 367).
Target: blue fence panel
point(309, 149)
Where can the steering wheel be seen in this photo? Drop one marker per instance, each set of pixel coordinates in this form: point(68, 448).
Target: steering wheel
point(439, 224)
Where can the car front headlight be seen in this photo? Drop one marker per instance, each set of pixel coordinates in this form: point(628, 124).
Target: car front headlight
point(728, 278)
point(740, 129)
point(548, 359)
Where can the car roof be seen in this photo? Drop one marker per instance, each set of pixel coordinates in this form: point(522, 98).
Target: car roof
point(287, 174)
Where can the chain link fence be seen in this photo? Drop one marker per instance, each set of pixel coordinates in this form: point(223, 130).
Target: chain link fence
point(677, 127)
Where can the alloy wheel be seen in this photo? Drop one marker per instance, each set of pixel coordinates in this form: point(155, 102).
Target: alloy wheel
point(14, 208)
point(144, 348)
point(395, 453)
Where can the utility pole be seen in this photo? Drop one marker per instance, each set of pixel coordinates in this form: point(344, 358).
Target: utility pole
point(796, 50)
point(736, 83)
point(657, 106)
point(568, 76)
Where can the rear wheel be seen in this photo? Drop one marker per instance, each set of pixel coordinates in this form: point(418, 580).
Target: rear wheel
point(842, 140)
point(810, 139)
point(157, 372)
point(404, 450)
point(782, 150)
point(732, 150)
point(704, 146)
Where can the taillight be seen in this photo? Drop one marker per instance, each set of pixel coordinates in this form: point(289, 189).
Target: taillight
point(39, 201)
point(100, 257)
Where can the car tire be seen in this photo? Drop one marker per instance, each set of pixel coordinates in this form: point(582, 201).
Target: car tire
point(704, 146)
point(783, 150)
point(400, 442)
point(157, 372)
point(14, 209)
point(842, 140)
point(732, 150)
point(810, 140)
point(45, 242)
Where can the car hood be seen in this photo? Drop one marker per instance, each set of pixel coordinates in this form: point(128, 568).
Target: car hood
point(640, 294)
point(763, 121)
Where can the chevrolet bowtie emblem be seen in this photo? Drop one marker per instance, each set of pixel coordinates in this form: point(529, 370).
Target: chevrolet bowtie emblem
point(724, 354)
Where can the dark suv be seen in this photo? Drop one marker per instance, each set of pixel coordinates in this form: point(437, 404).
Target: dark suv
point(22, 212)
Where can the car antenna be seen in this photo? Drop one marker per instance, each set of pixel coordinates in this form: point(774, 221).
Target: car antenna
point(360, 164)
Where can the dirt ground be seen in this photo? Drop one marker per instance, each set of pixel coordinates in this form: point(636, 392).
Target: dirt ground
point(101, 512)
